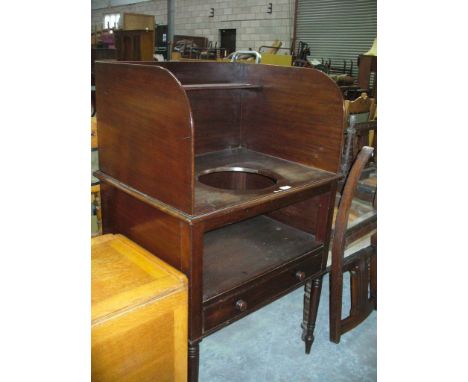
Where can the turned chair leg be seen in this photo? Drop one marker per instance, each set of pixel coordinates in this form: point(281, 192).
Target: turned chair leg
point(312, 292)
point(193, 361)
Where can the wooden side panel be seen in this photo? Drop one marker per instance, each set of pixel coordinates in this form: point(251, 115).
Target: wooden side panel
point(192, 265)
point(302, 215)
point(138, 314)
point(216, 115)
point(145, 134)
point(298, 115)
point(148, 343)
point(204, 72)
point(154, 230)
point(170, 239)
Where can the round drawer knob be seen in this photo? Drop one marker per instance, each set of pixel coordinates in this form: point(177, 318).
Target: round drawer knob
point(300, 275)
point(241, 305)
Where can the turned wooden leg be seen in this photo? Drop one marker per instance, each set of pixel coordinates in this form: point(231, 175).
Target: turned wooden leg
point(193, 361)
point(312, 292)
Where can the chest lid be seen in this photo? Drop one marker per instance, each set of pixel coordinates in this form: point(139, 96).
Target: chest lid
point(125, 276)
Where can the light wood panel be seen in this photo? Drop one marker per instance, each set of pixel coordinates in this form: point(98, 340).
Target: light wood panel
point(138, 314)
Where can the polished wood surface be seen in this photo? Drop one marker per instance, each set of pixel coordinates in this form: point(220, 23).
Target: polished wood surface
point(290, 177)
point(302, 123)
point(276, 96)
point(156, 127)
point(138, 314)
point(231, 306)
point(241, 252)
point(142, 224)
point(216, 116)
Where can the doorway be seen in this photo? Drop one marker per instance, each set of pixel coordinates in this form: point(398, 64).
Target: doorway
point(228, 40)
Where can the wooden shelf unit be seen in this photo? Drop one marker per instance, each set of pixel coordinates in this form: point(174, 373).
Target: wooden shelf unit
point(231, 186)
point(241, 252)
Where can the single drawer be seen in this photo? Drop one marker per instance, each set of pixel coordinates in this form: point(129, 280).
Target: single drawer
point(228, 307)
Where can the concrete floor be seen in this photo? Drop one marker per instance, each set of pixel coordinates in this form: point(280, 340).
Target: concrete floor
point(267, 346)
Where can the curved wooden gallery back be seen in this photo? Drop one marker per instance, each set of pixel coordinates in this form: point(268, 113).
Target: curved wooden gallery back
point(155, 119)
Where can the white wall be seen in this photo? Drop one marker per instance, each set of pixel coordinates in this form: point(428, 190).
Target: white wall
point(255, 27)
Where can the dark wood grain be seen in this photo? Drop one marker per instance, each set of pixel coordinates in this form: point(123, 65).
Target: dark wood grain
point(142, 224)
point(205, 72)
point(224, 309)
point(312, 293)
point(192, 266)
point(288, 174)
point(216, 115)
point(243, 251)
point(145, 135)
point(301, 123)
point(134, 45)
point(242, 240)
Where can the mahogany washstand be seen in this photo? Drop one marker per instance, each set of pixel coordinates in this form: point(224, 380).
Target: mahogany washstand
point(227, 172)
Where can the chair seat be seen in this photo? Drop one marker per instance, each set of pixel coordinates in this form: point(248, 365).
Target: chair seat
point(359, 213)
point(362, 243)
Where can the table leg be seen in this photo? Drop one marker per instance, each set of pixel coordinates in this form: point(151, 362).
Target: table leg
point(312, 292)
point(193, 361)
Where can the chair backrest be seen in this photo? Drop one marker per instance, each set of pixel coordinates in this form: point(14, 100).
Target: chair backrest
point(341, 223)
point(342, 237)
point(358, 110)
point(358, 113)
point(358, 136)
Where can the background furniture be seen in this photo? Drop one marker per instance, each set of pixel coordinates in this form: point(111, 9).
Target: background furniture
point(360, 261)
point(134, 45)
point(358, 136)
point(367, 65)
point(361, 131)
point(228, 172)
point(135, 40)
point(136, 21)
point(138, 314)
point(96, 217)
point(357, 111)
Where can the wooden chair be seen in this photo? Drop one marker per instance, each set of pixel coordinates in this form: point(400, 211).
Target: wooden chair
point(358, 136)
point(361, 131)
point(358, 110)
point(354, 221)
point(360, 262)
